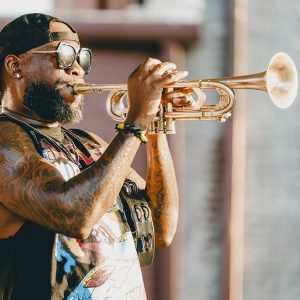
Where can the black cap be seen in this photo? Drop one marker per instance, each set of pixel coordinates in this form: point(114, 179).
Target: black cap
point(30, 31)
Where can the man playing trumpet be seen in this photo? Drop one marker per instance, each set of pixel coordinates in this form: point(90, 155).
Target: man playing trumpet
point(74, 217)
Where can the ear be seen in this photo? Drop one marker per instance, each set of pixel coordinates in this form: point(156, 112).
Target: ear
point(12, 66)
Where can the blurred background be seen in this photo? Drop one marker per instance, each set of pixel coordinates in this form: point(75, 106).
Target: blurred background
point(239, 228)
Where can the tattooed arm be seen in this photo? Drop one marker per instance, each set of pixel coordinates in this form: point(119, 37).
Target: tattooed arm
point(161, 189)
point(33, 189)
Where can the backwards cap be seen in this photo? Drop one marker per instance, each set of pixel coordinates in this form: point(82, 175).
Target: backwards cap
point(30, 31)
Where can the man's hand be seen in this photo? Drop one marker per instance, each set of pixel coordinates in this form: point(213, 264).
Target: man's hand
point(179, 97)
point(145, 87)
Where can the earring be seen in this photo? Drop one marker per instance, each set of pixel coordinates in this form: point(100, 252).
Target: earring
point(18, 75)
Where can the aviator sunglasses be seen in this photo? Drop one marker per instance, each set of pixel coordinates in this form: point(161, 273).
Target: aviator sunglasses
point(66, 55)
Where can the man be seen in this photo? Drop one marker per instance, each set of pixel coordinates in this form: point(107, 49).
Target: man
point(64, 231)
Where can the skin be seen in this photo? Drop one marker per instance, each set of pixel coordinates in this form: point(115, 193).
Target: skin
point(32, 189)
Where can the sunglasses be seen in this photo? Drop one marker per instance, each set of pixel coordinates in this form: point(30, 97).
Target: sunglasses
point(66, 56)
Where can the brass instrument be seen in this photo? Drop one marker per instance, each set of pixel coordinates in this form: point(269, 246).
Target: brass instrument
point(280, 81)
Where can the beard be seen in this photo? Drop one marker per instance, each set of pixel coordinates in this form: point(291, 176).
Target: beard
point(47, 102)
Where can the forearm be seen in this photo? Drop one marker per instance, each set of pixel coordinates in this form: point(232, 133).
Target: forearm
point(161, 189)
point(95, 189)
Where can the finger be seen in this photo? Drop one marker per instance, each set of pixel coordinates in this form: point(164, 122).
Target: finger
point(163, 69)
point(135, 70)
point(178, 99)
point(172, 77)
point(179, 93)
point(186, 90)
point(149, 63)
point(186, 100)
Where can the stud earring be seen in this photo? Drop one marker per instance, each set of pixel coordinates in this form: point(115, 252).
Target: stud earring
point(18, 75)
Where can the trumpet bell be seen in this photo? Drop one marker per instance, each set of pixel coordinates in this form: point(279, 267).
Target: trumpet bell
point(282, 80)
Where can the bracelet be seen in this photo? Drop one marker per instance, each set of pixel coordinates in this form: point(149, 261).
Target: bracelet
point(131, 128)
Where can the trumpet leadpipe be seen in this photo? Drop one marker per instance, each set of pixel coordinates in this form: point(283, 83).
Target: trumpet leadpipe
point(86, 88)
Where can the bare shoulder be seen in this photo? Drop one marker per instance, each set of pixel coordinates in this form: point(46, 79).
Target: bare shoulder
point(23, 172)
point(14, 139)
point(19, 157)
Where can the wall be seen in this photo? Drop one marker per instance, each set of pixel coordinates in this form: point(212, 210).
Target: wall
point(272, 239)
point(204, 202)
point(271, 267)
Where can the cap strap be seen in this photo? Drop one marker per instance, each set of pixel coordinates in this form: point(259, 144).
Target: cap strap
point(63, 35)
point(52, 36)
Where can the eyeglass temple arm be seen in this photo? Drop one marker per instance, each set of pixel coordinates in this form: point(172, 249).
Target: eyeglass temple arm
point(42, 51)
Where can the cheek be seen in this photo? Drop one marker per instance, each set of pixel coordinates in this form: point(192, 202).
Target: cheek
point(68, 95)
point(40, 67)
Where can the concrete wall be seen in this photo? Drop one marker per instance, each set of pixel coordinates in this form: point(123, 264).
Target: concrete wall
point(272, 207)
point(272, 238)
point(202, 256)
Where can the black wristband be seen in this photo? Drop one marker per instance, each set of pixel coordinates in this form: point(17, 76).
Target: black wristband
point(131, 128)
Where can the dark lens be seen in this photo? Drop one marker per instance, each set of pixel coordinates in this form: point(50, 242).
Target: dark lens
point(66, 56)
point(85, 59)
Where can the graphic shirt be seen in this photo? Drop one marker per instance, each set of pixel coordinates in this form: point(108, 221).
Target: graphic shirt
point(103, 266)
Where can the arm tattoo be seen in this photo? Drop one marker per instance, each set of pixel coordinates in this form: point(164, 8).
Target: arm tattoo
point(33, 189)
point(161, 189)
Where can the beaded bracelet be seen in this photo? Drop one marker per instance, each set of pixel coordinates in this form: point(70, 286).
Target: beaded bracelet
point(140, 134)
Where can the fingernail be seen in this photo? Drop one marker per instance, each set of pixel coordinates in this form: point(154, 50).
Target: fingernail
point(176, 100)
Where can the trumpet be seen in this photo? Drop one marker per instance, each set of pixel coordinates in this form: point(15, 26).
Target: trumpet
point(280, 81)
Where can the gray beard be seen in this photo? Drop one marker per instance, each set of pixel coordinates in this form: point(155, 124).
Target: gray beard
point(47, 102)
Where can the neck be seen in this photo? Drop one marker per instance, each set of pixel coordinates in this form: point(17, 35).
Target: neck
point(25, 114)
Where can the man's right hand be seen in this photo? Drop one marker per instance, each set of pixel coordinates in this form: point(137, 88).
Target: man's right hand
point(145, 86)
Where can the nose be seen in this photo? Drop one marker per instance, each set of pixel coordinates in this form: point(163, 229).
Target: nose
point(75, 70)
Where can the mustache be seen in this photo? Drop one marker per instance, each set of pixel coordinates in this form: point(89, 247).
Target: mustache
point(60, 84)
